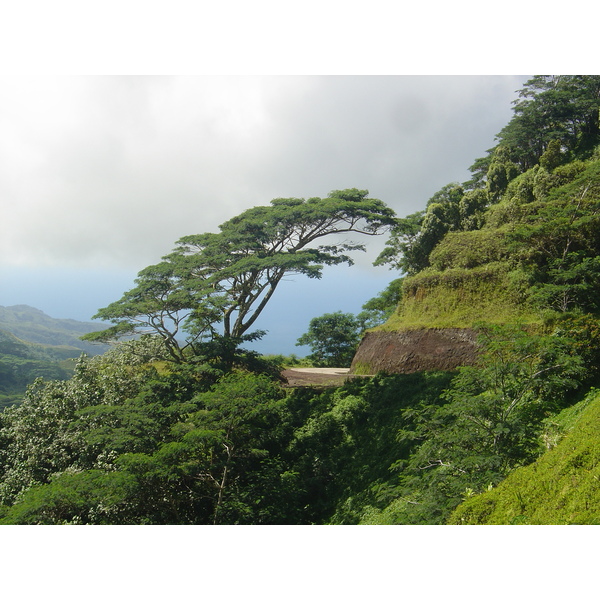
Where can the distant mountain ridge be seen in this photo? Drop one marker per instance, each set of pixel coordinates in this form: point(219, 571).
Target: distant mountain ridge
point(33, 345)
point(33, 325)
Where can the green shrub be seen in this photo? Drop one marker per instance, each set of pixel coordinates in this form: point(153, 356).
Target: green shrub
point(469, 249)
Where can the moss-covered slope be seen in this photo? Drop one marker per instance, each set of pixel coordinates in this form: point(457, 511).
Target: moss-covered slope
point(561, 487)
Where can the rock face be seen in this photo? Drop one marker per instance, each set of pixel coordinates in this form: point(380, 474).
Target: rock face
point(411, 351)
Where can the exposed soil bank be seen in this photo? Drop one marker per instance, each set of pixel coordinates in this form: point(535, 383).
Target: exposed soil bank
point(411, 351)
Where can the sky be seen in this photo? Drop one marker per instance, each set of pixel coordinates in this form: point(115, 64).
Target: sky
point(100, 175)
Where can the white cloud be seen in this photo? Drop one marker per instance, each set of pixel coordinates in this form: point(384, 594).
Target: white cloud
point(111, 171)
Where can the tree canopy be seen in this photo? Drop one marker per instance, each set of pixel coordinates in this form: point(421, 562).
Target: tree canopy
point(553, 107)
point(333, 338)
point(218, 284)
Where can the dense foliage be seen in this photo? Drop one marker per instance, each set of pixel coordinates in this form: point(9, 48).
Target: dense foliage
point(556, 122)
point(133, 439)
point(561, 488)
point(486, 423)
point(201, 431)
point(517, 244)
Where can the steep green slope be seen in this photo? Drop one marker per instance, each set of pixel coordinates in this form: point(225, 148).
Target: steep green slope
point(517, 249)
point(561, 487)
point(522, 237)
point(534, 259)
point(536, 252)
point(32, 325)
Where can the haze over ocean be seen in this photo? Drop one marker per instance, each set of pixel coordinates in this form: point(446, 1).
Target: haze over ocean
point(78, 293)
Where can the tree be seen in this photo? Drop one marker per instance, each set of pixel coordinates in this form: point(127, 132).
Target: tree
point(220, 463)
point(402, 251)
point(559, 244)
point(122, 443)
point(80, 423)
point(240, 416)
point(563, 108)
point(414, 237)
point(218, 284)
point(333, 338)
point(379, 309)
point(502, 170)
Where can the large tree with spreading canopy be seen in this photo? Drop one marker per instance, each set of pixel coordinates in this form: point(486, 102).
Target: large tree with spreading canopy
point(216, 285)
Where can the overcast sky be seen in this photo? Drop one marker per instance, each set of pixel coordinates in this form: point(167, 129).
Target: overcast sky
point(100, 175)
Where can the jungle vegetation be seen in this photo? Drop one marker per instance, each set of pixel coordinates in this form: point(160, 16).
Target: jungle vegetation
point(160, 431)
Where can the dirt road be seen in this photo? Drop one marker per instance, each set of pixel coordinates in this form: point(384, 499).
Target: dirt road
point(315, 377)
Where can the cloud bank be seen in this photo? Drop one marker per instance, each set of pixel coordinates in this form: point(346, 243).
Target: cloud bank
point(109, 171)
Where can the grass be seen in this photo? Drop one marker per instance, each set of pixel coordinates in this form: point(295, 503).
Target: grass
point(561, 487)
point(461, 297)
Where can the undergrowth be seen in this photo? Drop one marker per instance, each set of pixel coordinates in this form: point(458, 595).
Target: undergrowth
point(561, 487)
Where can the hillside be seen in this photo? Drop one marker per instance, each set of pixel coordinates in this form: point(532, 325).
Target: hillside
point(483, 405)
point(560, 488)
point(21, 363)
point(519, 245)
point(32, 325)
point(33, 345)
point(511, 256)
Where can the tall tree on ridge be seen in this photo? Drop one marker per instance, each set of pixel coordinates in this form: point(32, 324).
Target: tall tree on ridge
point(224, 280)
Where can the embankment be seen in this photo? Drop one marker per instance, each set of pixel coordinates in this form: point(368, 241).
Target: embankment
point(411, 351)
